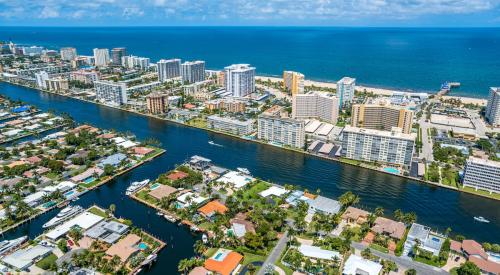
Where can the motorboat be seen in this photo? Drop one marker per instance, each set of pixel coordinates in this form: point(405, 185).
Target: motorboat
point(170, 218)
point(149, 259)
point(136, 185)
point(481, 219)
point(243, 170)
point(65, 214)
point(215, 144)
point(8, 245)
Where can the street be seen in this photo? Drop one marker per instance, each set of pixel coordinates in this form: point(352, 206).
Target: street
point(275, 254)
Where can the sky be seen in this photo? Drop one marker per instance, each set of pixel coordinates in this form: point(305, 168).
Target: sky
point(385, 13)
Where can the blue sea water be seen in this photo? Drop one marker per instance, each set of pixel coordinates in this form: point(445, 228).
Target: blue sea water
point(404, 58)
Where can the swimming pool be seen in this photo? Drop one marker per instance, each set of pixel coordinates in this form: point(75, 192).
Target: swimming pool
point(142, 246)
point(391, 170)
point(69, 193)
point(48, 204)
point(218, 256)
point(89, 180)
point(154, 186)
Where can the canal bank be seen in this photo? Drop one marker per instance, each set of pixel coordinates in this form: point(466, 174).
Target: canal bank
point(436, 207)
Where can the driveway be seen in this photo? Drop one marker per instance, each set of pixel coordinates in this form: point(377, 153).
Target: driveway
point(275, 254)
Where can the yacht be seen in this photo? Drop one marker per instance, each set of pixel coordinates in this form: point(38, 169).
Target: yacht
point(170, 218)
point(136, 185)
point(6, 246)
point(481, 219)
point(149, 259)
point(243, 170)
point(65, 214)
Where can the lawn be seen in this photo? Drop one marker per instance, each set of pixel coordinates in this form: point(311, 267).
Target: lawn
point(481, 192)
point(350, 161)
point(47, 262)
point(210, 252)
point(98, 212)
point(253, 192)
point(432, 262)
point(250, 258)
point(143, 195)
point(379, 248)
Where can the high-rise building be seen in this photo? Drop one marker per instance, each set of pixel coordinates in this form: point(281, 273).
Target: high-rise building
point(117, 54)
point(293, 82)
point(101, 57)
point(482, 174)
point(135, 62)
point(57, 84)
point(283, 131)
point(168, 69)
point(112, 93)
point(68, 53)
point(192, 72)
point(345, 91)
point(323, 106)
point(41, 77)
point(87, 77)
point(381, 146)
point(239, 79)
point(32, 51)
point(382, 116)
point(493, 106)
point(157, 103)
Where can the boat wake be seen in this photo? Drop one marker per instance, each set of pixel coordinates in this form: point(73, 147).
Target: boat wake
point(215, 144)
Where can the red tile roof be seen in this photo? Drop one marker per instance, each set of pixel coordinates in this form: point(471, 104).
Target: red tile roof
point(485, 265)
point(142, 150)
point(226, 266)
point(472, 247)
point(177, 175)
point(212, 207)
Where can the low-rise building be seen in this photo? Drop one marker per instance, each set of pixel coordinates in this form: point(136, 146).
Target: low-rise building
point(231, 125)
point(224, 262)
point(385, 226)
point(227, 104)
point(428, 241)
point(84, 76)
point(482, 174)
point(357, 265)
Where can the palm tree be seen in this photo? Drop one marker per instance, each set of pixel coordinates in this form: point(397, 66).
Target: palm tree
point(410, 218)
point(379, 211)
point(112, 208)
point(199, 247)
point(398, 214)
point(184, 266)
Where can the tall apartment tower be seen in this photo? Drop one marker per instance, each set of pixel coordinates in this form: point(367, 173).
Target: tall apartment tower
point(168, 69)
point(381, 116)
point(293, 82)
point(157, 103)
point(493, 106)
point(318, 105)
point(117, 54)
point(239, 79)
point(112, 93)
point(68, 53)
point(101, 57)
point(345, 91)
point(193, 71)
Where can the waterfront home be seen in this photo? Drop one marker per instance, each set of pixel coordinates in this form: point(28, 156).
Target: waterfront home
point(162, 191)
point(235, 179)
point(273, 191)
point(88, 175)
point(142, 151)
point(324, 205)
point(125, 248)
point(177, 175)
point(199, 270)
point(189, 199)
point(429, 241)
point(240, 225)
point(210, 209)
point(113, 160)
point(393, 229)
point(107, 231)
point(297, 196)
point(355, 216)
point(199, 163)
point(224, 262)
point(474, 252)
point(22, 259)
point(84, 221)
point(357, 265)
point(35, 199)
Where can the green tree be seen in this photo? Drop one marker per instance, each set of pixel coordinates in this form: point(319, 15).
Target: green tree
point(468, 268)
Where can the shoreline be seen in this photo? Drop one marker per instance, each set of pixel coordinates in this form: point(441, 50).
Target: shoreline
point(376, 90)
point(361, 164)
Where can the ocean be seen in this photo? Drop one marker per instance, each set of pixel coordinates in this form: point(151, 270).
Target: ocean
point(419, 59)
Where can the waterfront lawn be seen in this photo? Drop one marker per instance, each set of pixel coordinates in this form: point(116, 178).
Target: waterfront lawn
point(480, 192)
point(253, 192)
point(350, 161)
point(198, 122)
point(98, 212)
point(193, 178)
point(144, 195)
point(47, 263)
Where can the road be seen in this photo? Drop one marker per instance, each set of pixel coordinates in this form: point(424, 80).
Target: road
point(275, 254)
point(402, 262)
point(426, 140)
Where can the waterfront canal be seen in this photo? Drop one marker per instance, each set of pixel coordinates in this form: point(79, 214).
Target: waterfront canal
point(436, 207)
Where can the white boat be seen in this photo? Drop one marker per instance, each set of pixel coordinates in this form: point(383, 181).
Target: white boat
point(215, 144)
point(136, 185)
point(65, 214)
point(481, 219)
point(149, 259)
point(170, 218)
point(204, 238)
point(243, 170)
point(8, 245)
point(159, 213)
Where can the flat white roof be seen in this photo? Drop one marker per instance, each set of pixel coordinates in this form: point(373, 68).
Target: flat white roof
point(326, 148)
point(318, 253)
point(273, 190)
point(127, 144)
point(325, 129)
point(118, 139)
point(481, 161)
point(235, 178)
point(195, 198)
point(355, 264)
point(312, 126)
point(84, 221)
point(373, 132)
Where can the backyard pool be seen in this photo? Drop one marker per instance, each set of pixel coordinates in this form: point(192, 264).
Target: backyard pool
point(142, 246)
point(89, 180)
point(154, 186)
point(391, 170)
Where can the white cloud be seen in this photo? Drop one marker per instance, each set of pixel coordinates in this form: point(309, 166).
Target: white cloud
point(49, 12)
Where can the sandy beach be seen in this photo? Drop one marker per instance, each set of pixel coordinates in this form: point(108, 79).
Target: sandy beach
point(377, 91)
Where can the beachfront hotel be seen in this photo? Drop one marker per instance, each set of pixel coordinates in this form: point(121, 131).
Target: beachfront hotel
point(157, 103)
point(345, 91)
point(168, 69)
point(111, 93)
point(493, 107)
point(482, 174)
point(381, 116)
point(101, 57)
point(68, 53)
point(283, 131)
point(323, 106)
point(193, 71)
point(293, 82)
point(239, 79)
point(371, 145)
